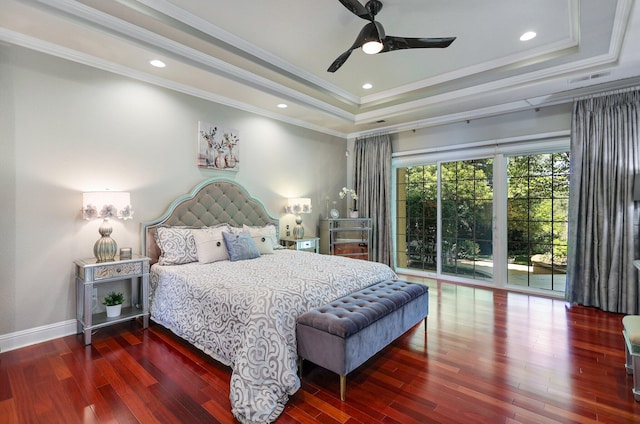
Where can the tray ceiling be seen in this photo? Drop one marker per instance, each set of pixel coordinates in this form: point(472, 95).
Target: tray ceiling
point(254, 55)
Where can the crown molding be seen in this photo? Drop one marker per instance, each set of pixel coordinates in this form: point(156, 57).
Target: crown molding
point(187, 18)
point(548, 100)
point(133, 32)
point(483, 89)
point(530, 55)
point(88, 60)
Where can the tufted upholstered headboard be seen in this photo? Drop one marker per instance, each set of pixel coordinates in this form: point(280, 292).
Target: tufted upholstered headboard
point(214, 201)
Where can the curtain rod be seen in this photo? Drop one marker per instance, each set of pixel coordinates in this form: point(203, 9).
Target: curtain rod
point(372, 134)
point(608, 93)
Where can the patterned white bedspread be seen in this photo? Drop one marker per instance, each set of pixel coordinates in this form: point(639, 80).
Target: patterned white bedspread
point(244, 315)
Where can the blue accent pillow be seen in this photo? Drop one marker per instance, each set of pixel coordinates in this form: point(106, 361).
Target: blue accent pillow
point(240, 246)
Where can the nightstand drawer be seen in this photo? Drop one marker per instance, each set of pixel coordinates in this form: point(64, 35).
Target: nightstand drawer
point(306, 244)
point(117, 270)
point(309, 244)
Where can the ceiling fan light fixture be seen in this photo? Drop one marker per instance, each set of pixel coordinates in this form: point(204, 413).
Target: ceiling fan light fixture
point(372, 47)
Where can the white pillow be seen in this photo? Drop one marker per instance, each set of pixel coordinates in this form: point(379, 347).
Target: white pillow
point(263, 243)
point(265, 238)
point(210, 246)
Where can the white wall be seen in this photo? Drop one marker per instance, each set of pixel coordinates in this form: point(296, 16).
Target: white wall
point(66, 128)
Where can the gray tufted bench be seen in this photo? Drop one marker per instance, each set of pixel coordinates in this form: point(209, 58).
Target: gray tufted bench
point(343, 334)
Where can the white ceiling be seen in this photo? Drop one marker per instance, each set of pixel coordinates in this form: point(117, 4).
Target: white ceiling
point(253, 54)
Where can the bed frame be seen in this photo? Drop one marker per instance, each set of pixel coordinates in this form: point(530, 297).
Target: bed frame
point(214, 201)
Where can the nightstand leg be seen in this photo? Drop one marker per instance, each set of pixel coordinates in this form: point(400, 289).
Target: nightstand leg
point(145, 299)
point(135, 293)
point(79, 305)
point(88, 312)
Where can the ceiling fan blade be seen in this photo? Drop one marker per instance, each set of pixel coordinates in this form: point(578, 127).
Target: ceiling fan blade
point(366, 31)
point(357, 8)
point(340, 61)
point(399, 43)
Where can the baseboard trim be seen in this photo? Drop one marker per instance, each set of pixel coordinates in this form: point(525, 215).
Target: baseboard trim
point(35, 335)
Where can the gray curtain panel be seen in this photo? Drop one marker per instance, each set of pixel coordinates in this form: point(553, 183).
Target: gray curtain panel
point(372, 182)
point(602, 230)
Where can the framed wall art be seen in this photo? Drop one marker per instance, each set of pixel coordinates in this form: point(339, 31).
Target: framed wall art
point(218, 147)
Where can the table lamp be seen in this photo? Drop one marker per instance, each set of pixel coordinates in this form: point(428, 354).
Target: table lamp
point(105, 205)
point(297, 206)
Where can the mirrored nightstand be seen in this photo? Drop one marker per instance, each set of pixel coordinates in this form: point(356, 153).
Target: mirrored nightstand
point(90, 273)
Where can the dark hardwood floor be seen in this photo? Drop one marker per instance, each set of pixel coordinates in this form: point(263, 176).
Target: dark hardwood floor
point(488, 357)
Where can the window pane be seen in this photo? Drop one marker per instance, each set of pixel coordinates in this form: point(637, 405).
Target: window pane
point(417, 221)
point(537, 210)
point(467, 219)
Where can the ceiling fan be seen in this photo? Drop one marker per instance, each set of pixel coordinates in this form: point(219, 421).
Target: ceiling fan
point(372, 38)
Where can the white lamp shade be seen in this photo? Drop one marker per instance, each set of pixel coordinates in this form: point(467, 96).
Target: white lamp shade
point(299, 205)
point(106, 204)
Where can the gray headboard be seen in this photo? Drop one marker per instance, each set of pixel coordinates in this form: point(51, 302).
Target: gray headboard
point(214, 201)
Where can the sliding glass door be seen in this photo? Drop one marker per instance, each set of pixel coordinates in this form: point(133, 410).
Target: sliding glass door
point(537, 212)
point(466, 201)
point(447, 214)
point(417, 217)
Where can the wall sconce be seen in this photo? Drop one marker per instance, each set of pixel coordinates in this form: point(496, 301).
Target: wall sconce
point(105, 205)
point(297, 206)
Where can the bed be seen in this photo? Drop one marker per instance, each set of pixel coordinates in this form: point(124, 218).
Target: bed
point(241, 311)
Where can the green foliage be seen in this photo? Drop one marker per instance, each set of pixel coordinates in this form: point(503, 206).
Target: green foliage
point(113, 299)
point(467, 249)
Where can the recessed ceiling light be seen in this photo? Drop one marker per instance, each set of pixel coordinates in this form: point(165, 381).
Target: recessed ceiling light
point(282, 106)
point(529, 35)
point(367, 86)
point(157, 63)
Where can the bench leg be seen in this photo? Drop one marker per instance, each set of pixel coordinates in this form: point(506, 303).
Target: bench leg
point(343, 387)
point(425, 324)
point(628, 365)
point(632, 365)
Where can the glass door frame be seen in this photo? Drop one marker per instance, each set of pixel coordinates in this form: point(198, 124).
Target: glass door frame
point(499, 151)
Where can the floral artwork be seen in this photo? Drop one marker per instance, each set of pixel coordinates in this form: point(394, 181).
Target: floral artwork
point(217, 147)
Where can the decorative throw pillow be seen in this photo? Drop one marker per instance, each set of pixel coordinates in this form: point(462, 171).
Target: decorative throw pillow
point(269, 232)
point(177, 245)
point(210, 245)
point(240, 246)
point(261, 238)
